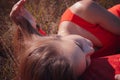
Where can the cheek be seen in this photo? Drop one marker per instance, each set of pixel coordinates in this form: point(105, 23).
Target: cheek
point(81, 66)
point(88, 59)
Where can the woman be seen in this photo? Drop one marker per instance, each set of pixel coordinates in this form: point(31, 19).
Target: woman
point(88, 19)
point(44, 59)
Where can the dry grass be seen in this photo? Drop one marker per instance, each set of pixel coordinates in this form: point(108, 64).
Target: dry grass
point(47, 13)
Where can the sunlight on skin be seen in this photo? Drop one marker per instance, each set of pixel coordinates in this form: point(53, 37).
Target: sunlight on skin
point(16, 7)
point(18, 10)
point(117, 77)
point(77, 5)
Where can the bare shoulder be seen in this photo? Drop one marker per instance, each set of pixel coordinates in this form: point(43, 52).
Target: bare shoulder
point(86, 9)
point(94, 13)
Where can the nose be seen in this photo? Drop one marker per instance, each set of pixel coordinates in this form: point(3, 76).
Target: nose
point(87, 47)
point(88, 50)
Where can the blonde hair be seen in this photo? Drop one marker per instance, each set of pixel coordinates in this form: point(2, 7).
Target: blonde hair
point(43, 61)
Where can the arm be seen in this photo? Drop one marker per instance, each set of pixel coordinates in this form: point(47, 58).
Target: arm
point(102, 17)
point(68, 27)
point(24, 19)
point(95, 14)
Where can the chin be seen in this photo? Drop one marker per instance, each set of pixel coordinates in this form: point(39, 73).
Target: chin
point(88, 62)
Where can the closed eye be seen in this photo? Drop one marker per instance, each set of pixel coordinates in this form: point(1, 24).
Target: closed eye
point(78, 45)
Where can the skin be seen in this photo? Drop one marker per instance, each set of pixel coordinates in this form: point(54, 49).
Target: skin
point(18, 9)
point(74, 45)
point(117, 77)
point(76, 48)
point(93, 13)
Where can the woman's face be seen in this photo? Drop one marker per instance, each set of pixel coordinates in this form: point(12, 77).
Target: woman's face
point(78, 50)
